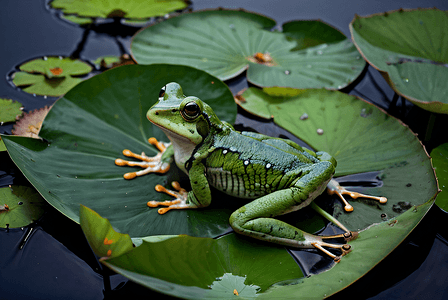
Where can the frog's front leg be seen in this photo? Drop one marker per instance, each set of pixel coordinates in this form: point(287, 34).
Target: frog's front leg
point(155, 164)
point(199, 196)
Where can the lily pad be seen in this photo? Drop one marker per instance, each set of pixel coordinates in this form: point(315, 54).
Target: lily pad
point(363, 139)
point(20, 206)
point(9, 110)
point(215, 263)
point(50, 76)
point(440, 160)
point(88, 128)
point(83, 11)
point(408, 47)
point(226, 42)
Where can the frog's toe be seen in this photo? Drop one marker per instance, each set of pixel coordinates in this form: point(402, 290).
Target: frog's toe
point(333, 187)
point(180, 202)
point(345, 248)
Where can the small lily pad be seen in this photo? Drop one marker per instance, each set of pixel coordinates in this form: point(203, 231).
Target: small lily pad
point(229, 286)
point(84, 11)
point(440, 161)
point(20, 206)
point(9, 110)
point(225, 43)
point(408, 46)
point(50, 76)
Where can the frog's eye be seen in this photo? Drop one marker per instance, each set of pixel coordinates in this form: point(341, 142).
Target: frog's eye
point(191, 111)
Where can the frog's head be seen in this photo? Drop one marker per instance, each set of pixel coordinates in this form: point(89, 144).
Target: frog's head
point(183, 119)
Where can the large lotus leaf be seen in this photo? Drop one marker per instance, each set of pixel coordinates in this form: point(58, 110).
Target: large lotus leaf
point(87, 129)
point(230, 257)
point(408, 45)
point(440, 160)
point(129, 9)
point(20, 206)
point(225, 43)
point(363, 139)
point(243, 264)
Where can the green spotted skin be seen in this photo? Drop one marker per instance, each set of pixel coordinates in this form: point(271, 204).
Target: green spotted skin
point(255, 165)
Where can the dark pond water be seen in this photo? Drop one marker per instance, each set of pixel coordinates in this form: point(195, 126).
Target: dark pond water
point(51, 259)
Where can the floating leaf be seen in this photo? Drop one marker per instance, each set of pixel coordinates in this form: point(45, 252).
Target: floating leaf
point(196, 263)
point(368, 250)
point(225, 43)
point(85, 10)
point(103, 239)
point(88, 128)
point(19, 206)
point(408, 46)
point(440, 160)
point(9, 110)
point(30, 123)
point(363, 139)
point(50, 76)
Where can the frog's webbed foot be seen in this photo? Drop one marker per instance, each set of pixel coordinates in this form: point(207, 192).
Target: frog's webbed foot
point(181, 201)
point(345, 248)
point(333, 187)
point(152, 164)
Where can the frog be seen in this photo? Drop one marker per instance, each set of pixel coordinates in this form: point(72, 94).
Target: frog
point(274, 176)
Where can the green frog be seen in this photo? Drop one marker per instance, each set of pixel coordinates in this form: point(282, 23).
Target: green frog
point(275, 175)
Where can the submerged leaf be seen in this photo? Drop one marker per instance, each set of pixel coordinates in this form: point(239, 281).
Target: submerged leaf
point(225, 43)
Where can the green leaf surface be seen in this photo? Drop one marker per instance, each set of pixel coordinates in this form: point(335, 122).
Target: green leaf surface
point(9, 110)
point(87, 129)
point(102, 238)
point(440, 161)
point(2, 145)
point(408, 46)
point(369, 249)
point(229, 286)
point(224, 43)
point(24, 206)
point(129, 9)
point(50, 76)
point(363, 139)
point(198, 262)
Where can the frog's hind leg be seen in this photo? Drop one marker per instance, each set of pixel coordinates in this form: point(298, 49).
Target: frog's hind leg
point(255, 219)
point(333, 187)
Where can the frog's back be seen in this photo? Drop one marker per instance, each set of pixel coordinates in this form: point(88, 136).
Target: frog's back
point(249, 165)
